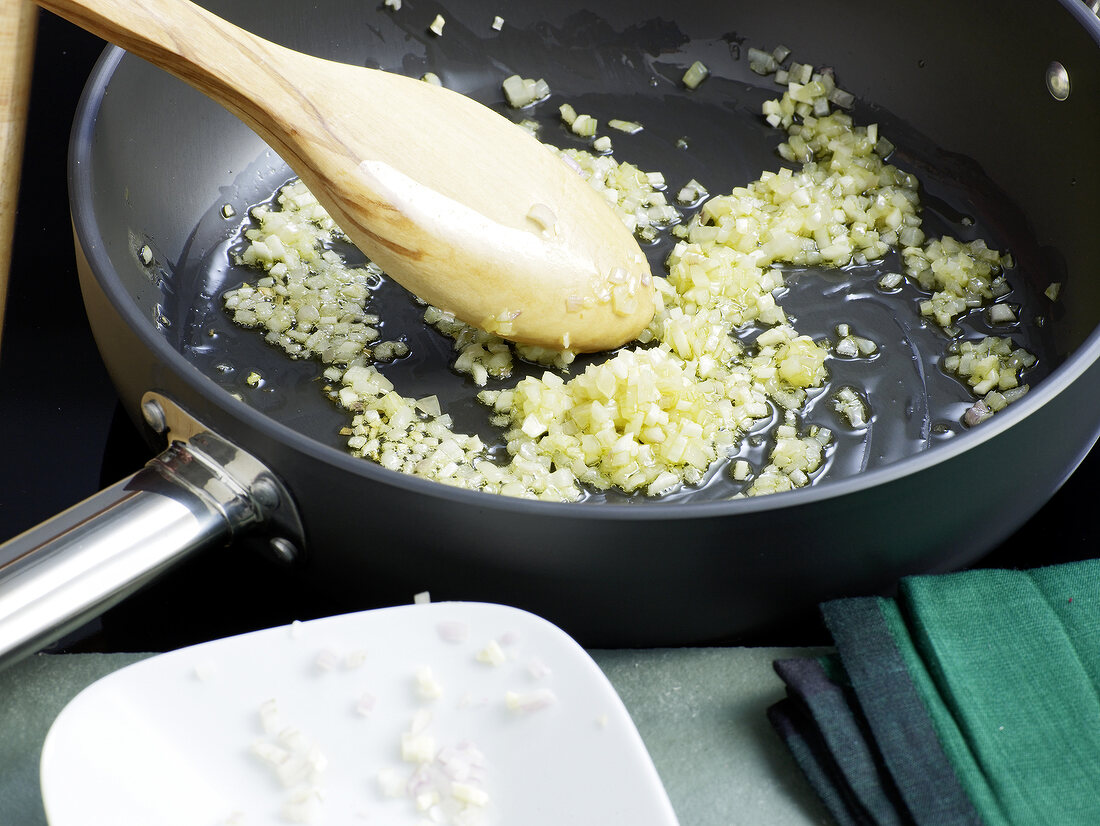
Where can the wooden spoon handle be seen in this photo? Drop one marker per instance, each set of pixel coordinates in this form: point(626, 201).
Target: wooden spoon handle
point(436, 189)
point(256, 80)
point(18, 22)
point(180, 37)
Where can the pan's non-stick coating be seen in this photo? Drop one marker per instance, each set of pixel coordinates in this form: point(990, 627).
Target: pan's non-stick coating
point(622, 74)
point(163, 184)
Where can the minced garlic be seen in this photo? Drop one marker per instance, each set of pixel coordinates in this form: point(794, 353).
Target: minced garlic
point(521, 92)
point(960, 276)
point(658, 415)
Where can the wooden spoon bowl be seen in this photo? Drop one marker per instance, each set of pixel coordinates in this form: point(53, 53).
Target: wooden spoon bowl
point(456, 203)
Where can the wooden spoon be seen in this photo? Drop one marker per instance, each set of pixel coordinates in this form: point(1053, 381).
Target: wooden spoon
point(452, 200)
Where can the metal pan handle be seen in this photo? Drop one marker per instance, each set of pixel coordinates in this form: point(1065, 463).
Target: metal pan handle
point(200, 491)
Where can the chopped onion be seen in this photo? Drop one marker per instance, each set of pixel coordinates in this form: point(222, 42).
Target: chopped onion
point(492, 654)
point(470, 795)
point(326, 660)
point(761, 62)
point(696, 74)
point(691, 192)
point(990, 366)
point(427, 686)
point(891, 281)
point(355, 659)
point(584, 125)
point(391, 782)
point(977, 414)
point(850, 405)
point(521, 92)
point(417, 748)
point(538, 669)
point(303, 806)
point(454, 631)
point(960, 276)
point(629, 126)
point(527, 702)
point(845, 100)
point(656, 417)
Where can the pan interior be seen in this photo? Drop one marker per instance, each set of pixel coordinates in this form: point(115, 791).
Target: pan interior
point(714, 134)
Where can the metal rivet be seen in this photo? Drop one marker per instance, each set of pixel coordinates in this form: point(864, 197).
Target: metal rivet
point(283, 549)
point(1058, 81)
point(265, 492)
point(153, 414)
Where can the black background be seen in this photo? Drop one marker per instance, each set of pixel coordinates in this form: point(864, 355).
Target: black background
point(62, 435)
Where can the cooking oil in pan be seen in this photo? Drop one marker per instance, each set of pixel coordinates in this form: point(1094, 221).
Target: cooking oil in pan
point(720, 140)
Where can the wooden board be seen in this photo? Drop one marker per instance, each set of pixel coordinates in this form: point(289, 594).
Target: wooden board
point(18, 23)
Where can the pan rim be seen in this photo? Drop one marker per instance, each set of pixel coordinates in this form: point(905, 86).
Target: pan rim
point(87, 235)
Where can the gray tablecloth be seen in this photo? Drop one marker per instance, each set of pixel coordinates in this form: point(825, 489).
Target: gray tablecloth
point(700, 712)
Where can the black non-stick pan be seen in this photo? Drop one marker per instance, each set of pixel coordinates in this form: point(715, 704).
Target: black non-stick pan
point(994, 106)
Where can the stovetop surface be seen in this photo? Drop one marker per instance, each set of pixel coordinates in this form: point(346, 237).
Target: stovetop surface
point(64, 435)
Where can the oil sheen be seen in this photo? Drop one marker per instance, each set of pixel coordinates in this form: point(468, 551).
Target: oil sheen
point(719, 139)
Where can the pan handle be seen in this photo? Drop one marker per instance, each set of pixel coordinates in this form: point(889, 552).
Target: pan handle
point(201, 491)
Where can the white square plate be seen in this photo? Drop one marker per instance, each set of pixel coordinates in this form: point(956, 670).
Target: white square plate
point(506, 705)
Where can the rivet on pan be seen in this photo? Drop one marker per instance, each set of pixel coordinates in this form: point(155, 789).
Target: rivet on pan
point(153, 414)
point(265, 492)
point(283, 549)
point(1058, 81)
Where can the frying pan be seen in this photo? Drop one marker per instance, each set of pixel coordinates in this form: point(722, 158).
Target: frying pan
point(969, 92)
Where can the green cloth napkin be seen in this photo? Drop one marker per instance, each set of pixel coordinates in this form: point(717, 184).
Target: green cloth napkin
point(970, 698)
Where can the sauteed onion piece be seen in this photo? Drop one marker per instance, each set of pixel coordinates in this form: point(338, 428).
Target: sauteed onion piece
point(664, 412)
